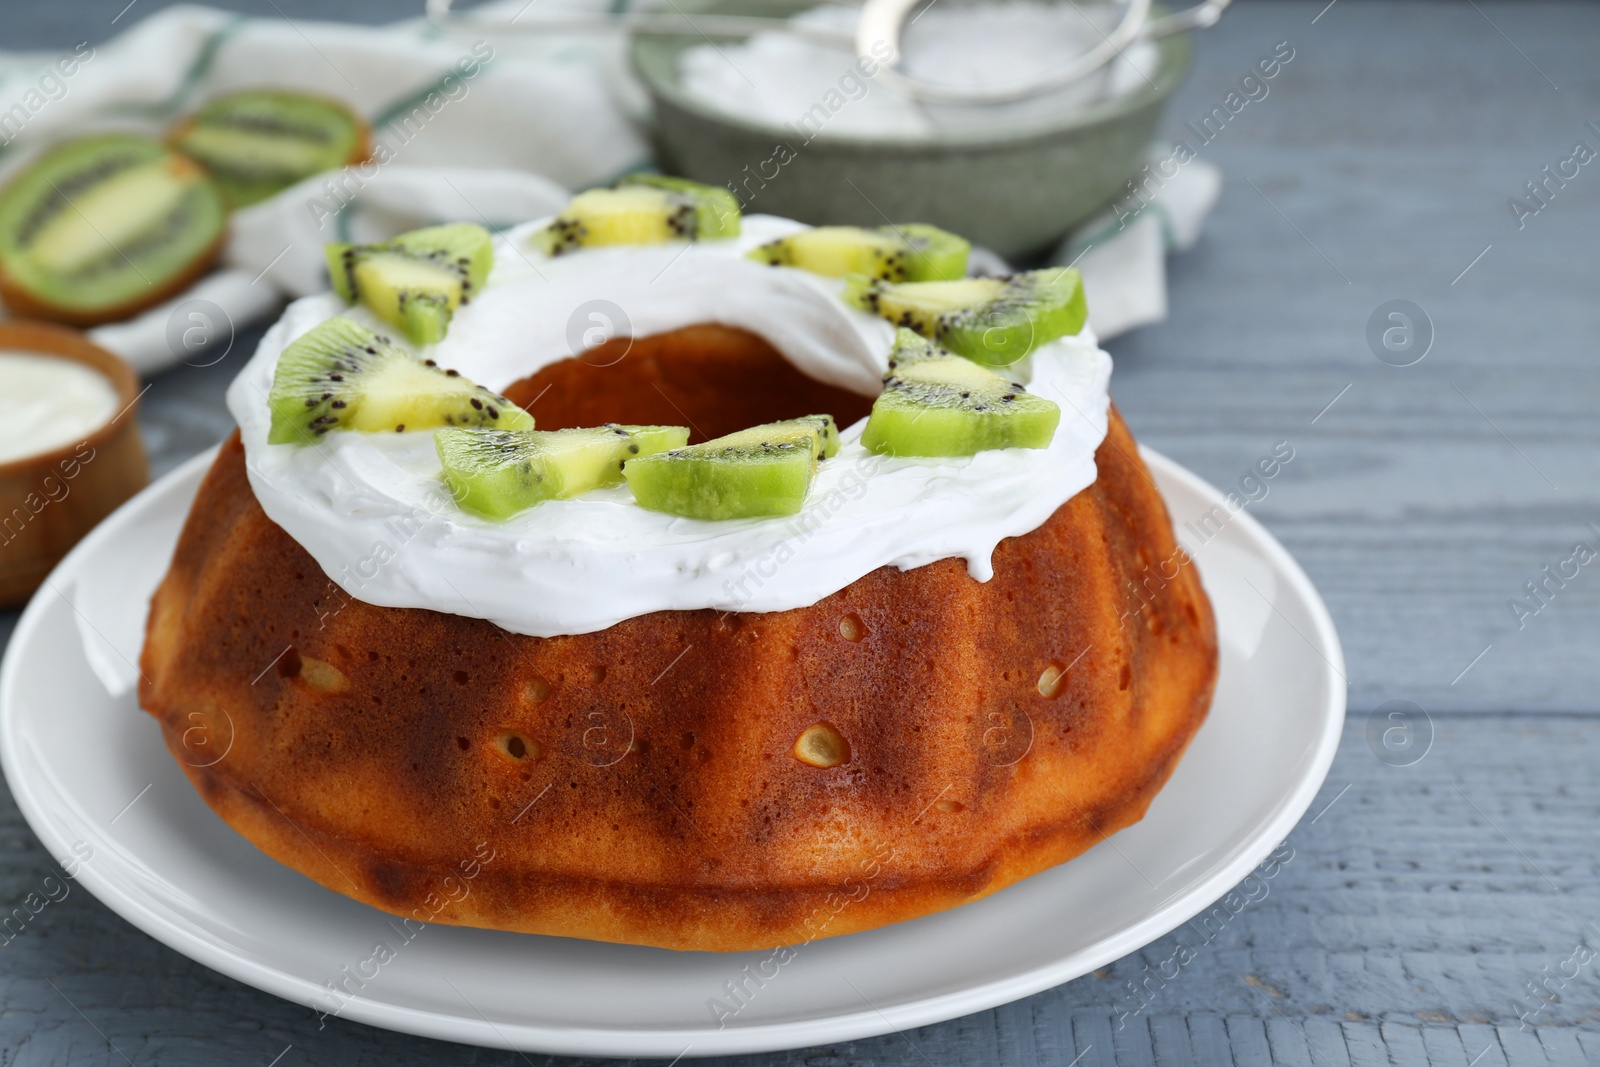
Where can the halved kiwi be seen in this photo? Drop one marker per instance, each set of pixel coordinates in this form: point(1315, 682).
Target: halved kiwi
point(913, 252)
point(261, 141)
point(497, 473)
point(938, 404)
point(417, 280)
point(994, 321)
point(642, 209)
point(762, 471)
point(102, 227)
point(342, 376)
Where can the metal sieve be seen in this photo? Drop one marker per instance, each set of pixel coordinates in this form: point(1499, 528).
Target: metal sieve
point(881, 22)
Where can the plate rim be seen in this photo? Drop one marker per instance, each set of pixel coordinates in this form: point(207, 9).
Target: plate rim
point(623, 1041)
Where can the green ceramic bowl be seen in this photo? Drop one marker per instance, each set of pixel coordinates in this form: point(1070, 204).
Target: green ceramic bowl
point(1016, 190)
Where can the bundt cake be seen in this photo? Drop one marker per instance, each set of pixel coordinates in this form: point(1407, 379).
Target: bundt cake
point(689, 760)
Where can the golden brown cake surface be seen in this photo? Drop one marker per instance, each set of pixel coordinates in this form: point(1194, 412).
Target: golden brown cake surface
point(693, 779)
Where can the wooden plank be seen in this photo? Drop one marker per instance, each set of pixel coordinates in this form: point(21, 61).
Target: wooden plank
point(1417, 519)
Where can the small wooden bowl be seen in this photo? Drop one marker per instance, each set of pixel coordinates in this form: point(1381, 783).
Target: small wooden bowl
point(50, 500)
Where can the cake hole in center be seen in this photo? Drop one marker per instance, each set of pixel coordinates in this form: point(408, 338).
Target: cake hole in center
point(717, 379)
point(851, 628)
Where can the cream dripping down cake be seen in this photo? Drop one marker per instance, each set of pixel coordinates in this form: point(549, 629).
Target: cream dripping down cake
point(813, 597)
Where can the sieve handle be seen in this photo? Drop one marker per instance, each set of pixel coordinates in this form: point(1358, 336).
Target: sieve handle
point(1202, 16)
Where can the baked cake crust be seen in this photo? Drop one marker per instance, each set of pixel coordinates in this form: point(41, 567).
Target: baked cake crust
point(641, 784)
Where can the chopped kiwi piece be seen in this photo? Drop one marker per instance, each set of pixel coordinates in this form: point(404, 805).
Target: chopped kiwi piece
point(937, 404)
point(497, 473)
point(913, 252)
point(261, 141)
point(761, 471)
point(102, 227)
point(416, 281)
point(933, 254)
point(342, 376)
point(994, 321)
point(642, 209)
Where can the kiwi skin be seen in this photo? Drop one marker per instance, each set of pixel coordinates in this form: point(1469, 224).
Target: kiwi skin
point(361, 153)
point(25, 304)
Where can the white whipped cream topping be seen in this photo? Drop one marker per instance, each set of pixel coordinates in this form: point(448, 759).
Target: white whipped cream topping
point(373, 513)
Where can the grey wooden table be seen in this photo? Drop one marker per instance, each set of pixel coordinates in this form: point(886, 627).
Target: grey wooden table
point(1440, 912)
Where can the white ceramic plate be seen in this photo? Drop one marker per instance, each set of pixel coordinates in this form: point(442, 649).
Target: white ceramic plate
point(88, 769)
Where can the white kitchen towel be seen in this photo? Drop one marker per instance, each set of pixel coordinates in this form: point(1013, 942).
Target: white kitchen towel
point(468, 127)
point(490, 127)
point(1122, 252)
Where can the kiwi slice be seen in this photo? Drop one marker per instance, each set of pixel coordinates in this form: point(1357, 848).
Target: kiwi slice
point(261, 141)
point(416, 281)
point(102, 227)
point(938, 404)
point(913, 252)
point(642, 209)
point(761, 471)
point(995, 321)
point(342, 376)
point(497, 473)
